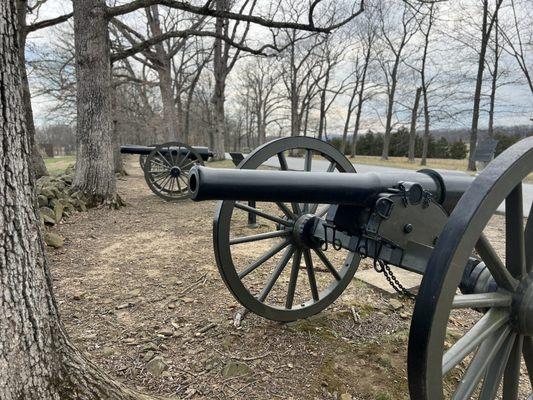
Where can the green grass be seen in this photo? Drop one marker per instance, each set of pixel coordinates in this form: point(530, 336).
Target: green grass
point(58, 165)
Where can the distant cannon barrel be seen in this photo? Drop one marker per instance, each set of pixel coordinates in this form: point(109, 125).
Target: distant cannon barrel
point(318, 187)
point(146, 150)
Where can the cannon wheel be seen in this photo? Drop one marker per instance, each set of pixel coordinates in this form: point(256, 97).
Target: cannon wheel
point(499, 339)
point(166, 170)
point(314, 293)
point(143, 157)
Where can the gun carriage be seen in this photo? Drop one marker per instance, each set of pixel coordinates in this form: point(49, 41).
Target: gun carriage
point(166, 167)
point(428, 222)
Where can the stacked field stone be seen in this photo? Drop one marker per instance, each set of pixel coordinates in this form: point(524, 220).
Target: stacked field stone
point(57, 200)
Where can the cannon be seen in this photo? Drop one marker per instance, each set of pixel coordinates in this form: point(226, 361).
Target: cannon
point(319, 219)
point(166, 166)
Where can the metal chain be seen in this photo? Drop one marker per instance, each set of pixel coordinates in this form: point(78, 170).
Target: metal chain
point(393, 281)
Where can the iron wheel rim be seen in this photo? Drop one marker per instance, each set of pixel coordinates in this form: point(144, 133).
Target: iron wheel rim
point(221, 237)
point(445, 267)
point(157, 170)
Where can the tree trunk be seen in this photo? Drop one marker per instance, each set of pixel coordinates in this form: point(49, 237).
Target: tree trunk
point(486, 28)
point(425, 141)
point(494, 83)
point(360, 100)
point(412, 130)
point(37, 162)
point(95, 176)
point(37, 360)
point(170, 118)
point(219, 62)
point(390, 108)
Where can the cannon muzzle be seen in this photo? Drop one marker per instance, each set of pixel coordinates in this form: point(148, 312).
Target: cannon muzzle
point(315, 187)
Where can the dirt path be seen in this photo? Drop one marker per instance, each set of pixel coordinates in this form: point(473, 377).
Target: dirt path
point(140, 292)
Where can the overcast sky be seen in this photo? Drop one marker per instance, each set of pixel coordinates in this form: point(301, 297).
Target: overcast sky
point(514, 101)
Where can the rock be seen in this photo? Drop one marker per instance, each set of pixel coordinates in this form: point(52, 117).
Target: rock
point(148, 356)
point(233, 368)
point(156, 366)
point(187, 300)
point(43, 200)
point(124, 305)
point(346, 396)
point(58, 211)
point(53, 240)
point(107, 351)
point(166, 332)
point(149, 347)
point(395, 304)
point(49, 216)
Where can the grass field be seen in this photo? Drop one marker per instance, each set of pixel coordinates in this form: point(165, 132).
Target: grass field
point(57, 165)
point(402, 162)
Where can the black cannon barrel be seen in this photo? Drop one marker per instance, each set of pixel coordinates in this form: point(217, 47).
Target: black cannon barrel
point(146, 150)
point(314, 187)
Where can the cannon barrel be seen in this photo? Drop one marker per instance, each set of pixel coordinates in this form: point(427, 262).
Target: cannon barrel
point(318, 187)
point(146, 150)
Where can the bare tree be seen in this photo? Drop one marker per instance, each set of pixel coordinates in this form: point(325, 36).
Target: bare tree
point(23, 6)
point(488, 21)
point(260, 78)
point(412, 128)
point(395, 40)
point(518, 43)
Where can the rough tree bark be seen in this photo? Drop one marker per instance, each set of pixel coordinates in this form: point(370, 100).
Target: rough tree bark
point(37, 360)
point(220, 88)
point(95, 176)
point(412, 130)
point(38, 166)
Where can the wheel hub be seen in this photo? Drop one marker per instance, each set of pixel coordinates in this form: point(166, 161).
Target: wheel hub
point(175, 172)
point(303, 231)
point(522, 307)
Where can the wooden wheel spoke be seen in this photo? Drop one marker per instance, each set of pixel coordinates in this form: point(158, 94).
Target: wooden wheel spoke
point(185, 183)
point(187, 165)
point(486, 353)
point(323, 211)
point(259, 236)
point(528, 356)
point(183, 159)
point(277, 272)
point(156, 162)
point(297, 259)
point(327, 264)
point(485, 327)
point(528, 237)
point(165, 182)
point(283, 162)
point(494, 372)
point(501, 275)
point(311, 274)
point(515, 255)
point(307, 167)
point(482, 300)
point(286, 210)
point(164, 159)
point(265, 257)
point(511, 377)
point(332, 167)
point(260, 213)
point(178, 183)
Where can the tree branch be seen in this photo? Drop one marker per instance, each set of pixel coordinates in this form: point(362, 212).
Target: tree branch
point(139, 47)
point(207, 11)
point(47, 23)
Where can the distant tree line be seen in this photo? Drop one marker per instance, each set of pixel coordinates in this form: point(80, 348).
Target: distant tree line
point(371, 144)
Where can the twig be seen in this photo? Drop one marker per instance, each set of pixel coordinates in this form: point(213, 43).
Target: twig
point(355, 315)
point(204, 277)
point(207, 327)
point(241, 389)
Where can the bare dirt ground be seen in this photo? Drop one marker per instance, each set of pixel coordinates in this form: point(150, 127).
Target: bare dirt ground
point(139, 291)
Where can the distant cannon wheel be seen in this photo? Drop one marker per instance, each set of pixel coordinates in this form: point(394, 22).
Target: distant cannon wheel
point(269, 269)
point(142, 160)
point(166, 170)
point(455, 351)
